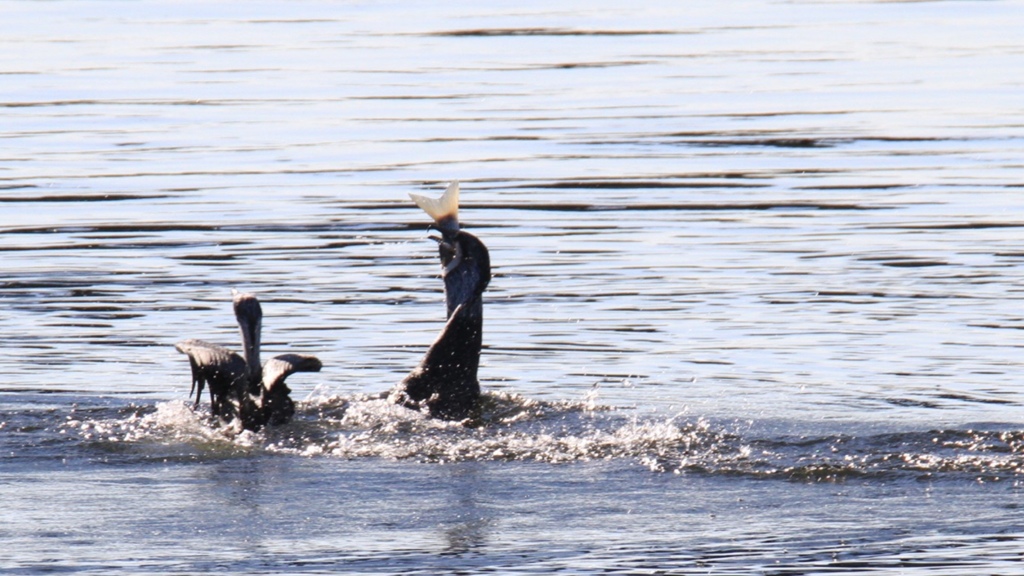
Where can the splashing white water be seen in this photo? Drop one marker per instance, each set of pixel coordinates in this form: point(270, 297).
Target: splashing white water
point(514, 428)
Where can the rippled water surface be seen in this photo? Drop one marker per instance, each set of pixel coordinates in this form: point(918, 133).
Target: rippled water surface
point(756, 306)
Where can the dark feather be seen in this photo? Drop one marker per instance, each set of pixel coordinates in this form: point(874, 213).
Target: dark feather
point(217, 367)
point(280, 367)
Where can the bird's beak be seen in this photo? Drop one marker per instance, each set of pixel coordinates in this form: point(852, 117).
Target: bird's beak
point(448, 247)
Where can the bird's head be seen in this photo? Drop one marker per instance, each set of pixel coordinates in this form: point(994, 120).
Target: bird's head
point(250, 321)
point(465, 261)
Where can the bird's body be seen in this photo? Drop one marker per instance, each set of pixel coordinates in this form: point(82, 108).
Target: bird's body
point(445, 382)
point(241, 388)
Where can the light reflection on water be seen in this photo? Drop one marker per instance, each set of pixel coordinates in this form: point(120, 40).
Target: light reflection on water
point(781, 229)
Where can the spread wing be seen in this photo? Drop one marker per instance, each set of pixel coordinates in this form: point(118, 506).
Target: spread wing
point(214, 365)
point(280, 367)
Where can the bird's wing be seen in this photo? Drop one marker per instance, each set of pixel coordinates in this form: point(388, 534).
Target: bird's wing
point(211, 364)
point(280, 367)
point(206, 354)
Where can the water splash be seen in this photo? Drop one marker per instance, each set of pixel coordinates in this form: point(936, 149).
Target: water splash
point(515, 428)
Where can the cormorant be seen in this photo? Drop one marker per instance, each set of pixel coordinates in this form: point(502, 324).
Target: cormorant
point(445, 382)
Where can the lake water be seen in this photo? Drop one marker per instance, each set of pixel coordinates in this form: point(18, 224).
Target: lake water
point(757, 305)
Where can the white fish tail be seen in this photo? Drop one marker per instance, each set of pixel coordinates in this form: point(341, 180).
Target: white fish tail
point(444, 210)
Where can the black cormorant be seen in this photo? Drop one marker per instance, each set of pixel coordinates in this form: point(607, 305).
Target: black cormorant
point(445, 382)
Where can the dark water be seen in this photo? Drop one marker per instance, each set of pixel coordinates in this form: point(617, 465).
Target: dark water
point(756, 307)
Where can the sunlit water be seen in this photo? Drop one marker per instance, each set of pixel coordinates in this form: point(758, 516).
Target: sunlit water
point(756, 305)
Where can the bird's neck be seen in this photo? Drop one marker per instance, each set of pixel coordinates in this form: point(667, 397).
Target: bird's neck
point(251, 350)
point(456, 352)
point(460, 287)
